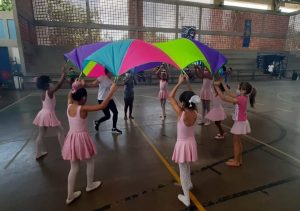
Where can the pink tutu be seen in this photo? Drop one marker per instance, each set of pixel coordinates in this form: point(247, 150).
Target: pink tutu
point(78, 146)
point(206, 94)
point(163, 94)
point(46, 118)
point(216, 114)
point(185, 151)
point(240, 127)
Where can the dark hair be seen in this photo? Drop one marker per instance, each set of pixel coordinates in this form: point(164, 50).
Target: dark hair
point(249, 90)
point(221, 88)
point(43, 82)
point(167, 76)
point(72, 80)
point(79, 94)
point(106, 71)
point(184, 99)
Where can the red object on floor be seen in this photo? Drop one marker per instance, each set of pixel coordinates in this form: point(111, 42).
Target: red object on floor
point(5, 75)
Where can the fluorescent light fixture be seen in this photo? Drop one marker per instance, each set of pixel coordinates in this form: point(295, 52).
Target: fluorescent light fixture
point(201, 1)
point(287, 10)
point(247, 5)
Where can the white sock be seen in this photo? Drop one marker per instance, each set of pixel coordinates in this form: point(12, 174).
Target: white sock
point(39, 142)
point(72, 178)
point(184, 179)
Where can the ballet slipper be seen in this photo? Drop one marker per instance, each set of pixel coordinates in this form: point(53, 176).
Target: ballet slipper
point(75, 196)
point(95, 185)
point(184, 200)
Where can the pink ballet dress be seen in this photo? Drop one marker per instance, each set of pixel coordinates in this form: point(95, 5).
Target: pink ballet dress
point(78, 144)
point(206, 90)
point(163, 93)
point(241, 124)
point(185, 149)
point(46, 117)
point(217, 112)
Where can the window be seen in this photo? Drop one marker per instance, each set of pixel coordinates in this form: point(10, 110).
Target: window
point(2, 32)
point(11, 29)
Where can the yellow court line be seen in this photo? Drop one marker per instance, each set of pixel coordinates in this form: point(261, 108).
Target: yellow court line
point(269, 146)
point(165, 162)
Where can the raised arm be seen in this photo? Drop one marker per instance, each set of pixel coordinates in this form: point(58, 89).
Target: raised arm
point(126, 79)
point(172, 95)
point(156, 70)
point(70, 100)
point(225, 98)
point(199, 72)
point(103, 105)
point(94, 84)
point(207, 74)
point(227, 91)
point(59, 83)
point(188, 83)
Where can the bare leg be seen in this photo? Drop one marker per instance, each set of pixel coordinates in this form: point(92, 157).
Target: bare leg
point(240, 151)
point(236, 152)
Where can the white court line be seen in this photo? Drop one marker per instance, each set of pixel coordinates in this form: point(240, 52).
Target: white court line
point(269, 146)
point(256, 140)
point(14, 103)
point(281, 109)
point(147, 96)
point(260, 104)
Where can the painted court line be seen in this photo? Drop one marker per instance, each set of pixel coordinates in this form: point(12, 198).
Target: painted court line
point(281, 109)
point(34, 133)
point(165, 162)
point(258, 141)
point(14, 103)
point(260, 104)
point(269, 146)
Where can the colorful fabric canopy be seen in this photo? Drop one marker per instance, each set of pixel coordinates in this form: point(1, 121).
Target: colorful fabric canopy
point(121, 56)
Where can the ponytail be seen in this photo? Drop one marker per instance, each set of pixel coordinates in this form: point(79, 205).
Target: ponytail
point(249, 90)
point(252, 97)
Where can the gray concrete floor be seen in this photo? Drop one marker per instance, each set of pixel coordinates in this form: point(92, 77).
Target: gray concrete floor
point(135, 178)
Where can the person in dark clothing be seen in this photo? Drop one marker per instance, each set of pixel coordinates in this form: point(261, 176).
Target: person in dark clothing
point(104, 82)
point(129, 82)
